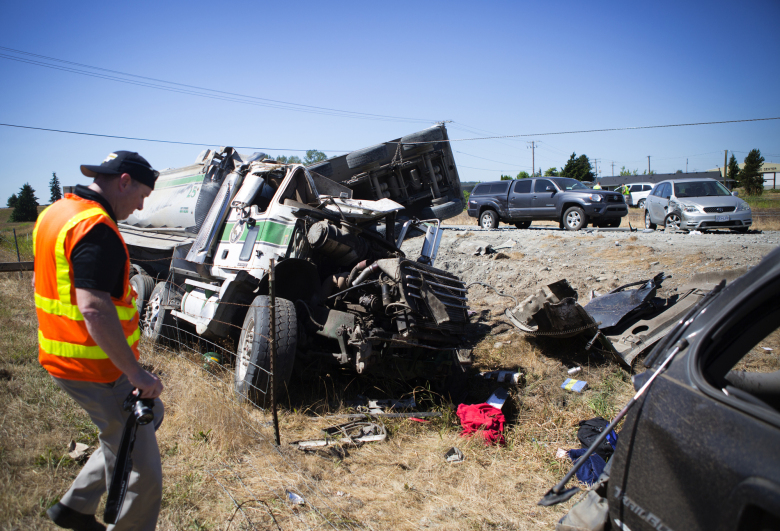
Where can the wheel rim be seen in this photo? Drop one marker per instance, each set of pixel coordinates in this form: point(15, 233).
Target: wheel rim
point(245, 349)
point(151, 315)
point(573, 219)
point(487, 222)
point(673, 221)
point(641, 204)
point(647, 220)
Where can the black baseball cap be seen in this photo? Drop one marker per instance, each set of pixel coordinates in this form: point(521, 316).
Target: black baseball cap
point(128, 162)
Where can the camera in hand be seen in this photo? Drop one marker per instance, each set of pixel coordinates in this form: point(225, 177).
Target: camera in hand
point(140, 408)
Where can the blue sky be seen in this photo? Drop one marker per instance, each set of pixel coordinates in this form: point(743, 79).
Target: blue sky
point(493, 67)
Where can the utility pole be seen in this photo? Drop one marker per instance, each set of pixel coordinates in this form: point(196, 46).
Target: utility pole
point(686, 165)
point(648, 164)
point(533, 160)
point(725, 165)
point(613, 168)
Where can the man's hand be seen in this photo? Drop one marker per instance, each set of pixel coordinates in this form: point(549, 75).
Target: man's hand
point(105, 328)
point(149, 384)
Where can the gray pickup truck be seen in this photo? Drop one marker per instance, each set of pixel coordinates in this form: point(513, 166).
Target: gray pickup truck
point(560, 199)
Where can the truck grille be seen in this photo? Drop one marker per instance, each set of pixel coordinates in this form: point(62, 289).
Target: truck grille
point(447, 288)
point(718, 210)
point(614, 198)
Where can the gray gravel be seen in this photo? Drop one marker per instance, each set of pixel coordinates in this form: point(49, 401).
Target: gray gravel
point(591, 260)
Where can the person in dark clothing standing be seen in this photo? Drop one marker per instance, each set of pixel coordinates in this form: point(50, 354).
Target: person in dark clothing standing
point(88, 334)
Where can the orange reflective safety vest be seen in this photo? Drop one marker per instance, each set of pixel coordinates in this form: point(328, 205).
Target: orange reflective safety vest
point(65, 348)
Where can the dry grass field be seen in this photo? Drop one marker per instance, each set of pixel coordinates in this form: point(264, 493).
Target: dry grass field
point(212, 446)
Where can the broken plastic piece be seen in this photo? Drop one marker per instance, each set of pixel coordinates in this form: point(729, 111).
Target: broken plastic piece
point(578, 386)
point(498, 398)
point(454, 455)
point(295, 499)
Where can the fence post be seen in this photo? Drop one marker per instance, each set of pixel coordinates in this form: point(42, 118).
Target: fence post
point(18, 256)
point(272, 330)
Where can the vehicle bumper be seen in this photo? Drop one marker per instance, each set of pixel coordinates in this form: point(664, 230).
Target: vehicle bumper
point(701, 221)
point(472, 212)
point(606, 210)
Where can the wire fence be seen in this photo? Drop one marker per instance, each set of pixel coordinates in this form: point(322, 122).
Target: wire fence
point(245, 381)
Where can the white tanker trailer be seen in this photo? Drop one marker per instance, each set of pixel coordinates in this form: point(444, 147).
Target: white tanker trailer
point(202, 245)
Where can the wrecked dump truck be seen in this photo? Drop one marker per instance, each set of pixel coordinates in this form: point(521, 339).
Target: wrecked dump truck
point(417, 170)
point(202, 248)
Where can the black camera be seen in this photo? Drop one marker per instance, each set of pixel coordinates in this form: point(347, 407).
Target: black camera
point(140, 408)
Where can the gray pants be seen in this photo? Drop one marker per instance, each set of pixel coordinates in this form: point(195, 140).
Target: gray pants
point(103, 403)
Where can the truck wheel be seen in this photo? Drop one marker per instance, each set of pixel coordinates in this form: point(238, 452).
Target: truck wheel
point(323, 168)
point(445, 211)
point(523, 224)
point(368, 155)
point(488, 219)
point(143, 285)
point(648, 221)
point(253, 358)
point(157, 322)
point(432, 134)
point(574, 218)
point(640, 204)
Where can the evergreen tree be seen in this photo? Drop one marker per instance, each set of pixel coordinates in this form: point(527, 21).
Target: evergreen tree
point(750, 178)
point(733, 169)
point(12, 200)
point(54, 186)
point(551, 172)
point(522, 175)
point(313, 156)
point(578, 168)
point(26, 208)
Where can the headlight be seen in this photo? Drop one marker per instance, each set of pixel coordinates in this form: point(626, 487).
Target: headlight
point(689, 208)
point(744, 207)
point(596, 197)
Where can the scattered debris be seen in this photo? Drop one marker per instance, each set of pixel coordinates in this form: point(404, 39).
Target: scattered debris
point(351, 433)
point(574, 370)
point(578, 386)
point(695, 232)
point(561, 453)
point(506, 245)
point(654, 263)
point(591, 469)
point(590, 430)
point(768, 349)
point(502, 376)
point(454, 455)
point(417, 414)
point(295, 499)
point(498, 398)
point(77, 451)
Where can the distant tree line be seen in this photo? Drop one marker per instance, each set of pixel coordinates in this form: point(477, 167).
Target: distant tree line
point(312, 156)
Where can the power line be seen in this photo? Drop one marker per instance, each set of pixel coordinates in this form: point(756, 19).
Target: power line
point(594, 130)
point(183, 88)
point(165, 141)
point(490, 160)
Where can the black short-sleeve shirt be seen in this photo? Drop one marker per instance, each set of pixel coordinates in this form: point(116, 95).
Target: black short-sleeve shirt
point(99, 258)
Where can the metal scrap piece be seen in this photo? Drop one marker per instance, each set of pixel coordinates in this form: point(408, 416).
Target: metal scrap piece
point(354, 433)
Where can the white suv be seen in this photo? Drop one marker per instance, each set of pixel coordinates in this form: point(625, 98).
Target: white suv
point(637, 193)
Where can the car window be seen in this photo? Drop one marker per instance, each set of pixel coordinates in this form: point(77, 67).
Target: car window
point(699, 189)
point(499, 188)
point(480, 189)
point(542, 184)
point(666, 191)
point(646, 187)
point(570, 184)
point(523, 186)
point(636, 188)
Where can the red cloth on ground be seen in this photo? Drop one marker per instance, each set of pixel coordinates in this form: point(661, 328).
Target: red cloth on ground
point(484, 419)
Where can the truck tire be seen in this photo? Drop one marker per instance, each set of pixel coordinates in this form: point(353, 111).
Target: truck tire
point(253, 356)
point(648, 221)
point(574, 218)
point(432, 134)
point(143, 285)
point(488, 219)
point(523, 224)
point(365, 156)
point(157, 323)
point(640, 204)
point(323, 168)
point(445, 211)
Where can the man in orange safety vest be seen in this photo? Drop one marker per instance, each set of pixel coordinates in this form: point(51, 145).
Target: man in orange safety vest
point(88, 334)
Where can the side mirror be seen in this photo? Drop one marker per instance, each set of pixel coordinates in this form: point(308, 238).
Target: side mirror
point(735, 194)
point(550, 189)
